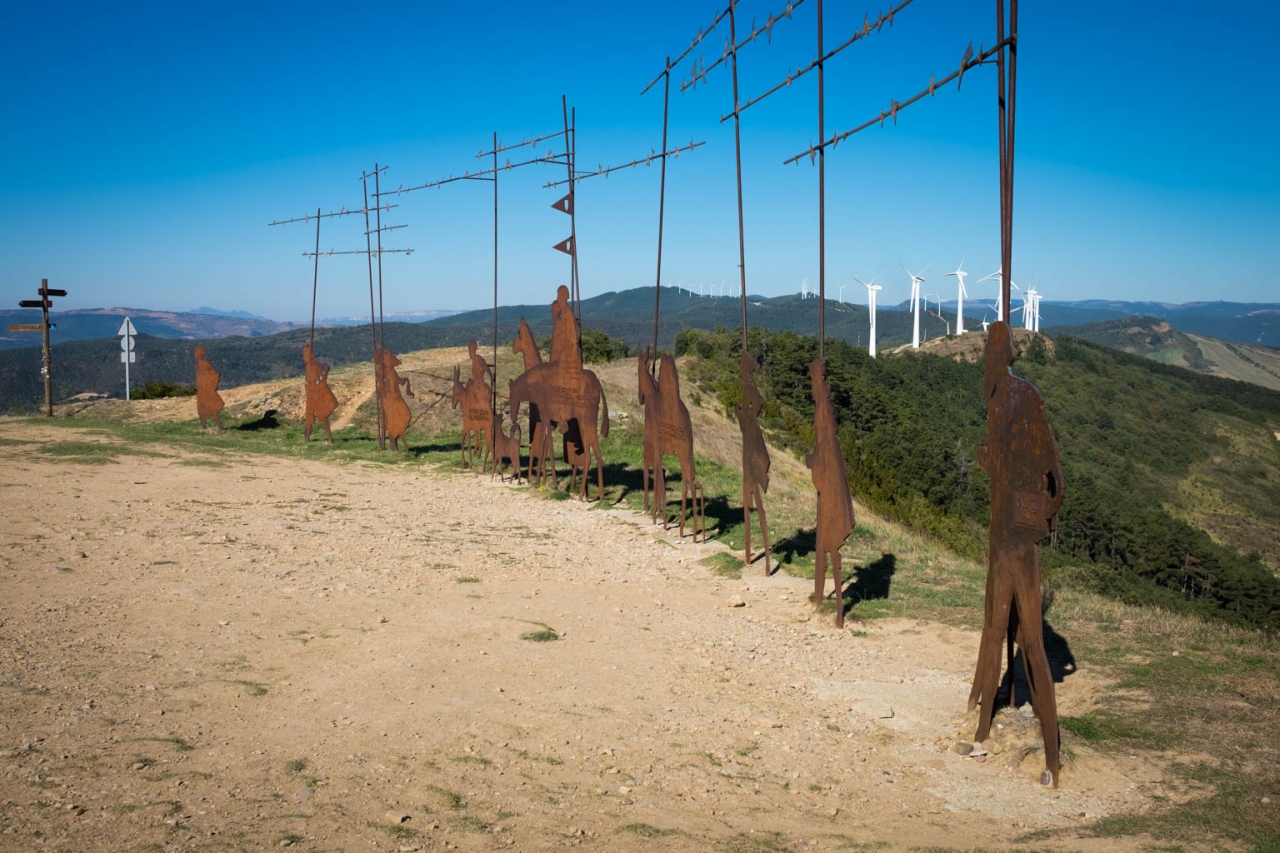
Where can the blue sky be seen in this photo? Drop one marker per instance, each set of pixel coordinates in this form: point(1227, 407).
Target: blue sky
point(146, 146)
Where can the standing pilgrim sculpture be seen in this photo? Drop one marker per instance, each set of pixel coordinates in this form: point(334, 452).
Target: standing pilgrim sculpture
point(562, 391)
point(668, 428)
point(320, 401)
point(395, 411)
point(1021, 458)
point(755, 455)
point(835, 505)
point(476, 399)
point(208, 402)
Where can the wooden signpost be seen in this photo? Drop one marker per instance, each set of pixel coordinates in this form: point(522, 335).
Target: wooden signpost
point(43, 303)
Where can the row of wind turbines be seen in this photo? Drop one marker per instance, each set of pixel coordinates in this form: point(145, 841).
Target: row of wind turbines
point(1030, 306)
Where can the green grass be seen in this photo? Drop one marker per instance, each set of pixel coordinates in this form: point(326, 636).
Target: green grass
point(757, 842)
point(546, 635)
point(453, 801)
point(252, 688)
point(645, 830)
point(724, 564)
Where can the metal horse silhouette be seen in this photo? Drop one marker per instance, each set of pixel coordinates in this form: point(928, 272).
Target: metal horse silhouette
point(208, 402)
point(835, 505)
point(1021, 458)
point(395, 411)
point(668, 429)
point(563, 391)
point(541, 449)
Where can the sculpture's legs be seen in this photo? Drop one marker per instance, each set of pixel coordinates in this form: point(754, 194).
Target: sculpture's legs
point(819, 575)
point(1039, 676)
point(839, 591)
point(764, 530)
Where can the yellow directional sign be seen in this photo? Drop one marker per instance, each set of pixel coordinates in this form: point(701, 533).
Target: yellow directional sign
point(27, 327)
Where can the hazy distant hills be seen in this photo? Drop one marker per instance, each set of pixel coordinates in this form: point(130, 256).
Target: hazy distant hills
point(105, 322)
point(1157, 340)
point(1240, 322)
point(249, 349)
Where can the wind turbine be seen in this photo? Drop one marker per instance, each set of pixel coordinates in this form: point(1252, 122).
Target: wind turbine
point(842, 287)
point(960, 274)
point(1029, 308)
point(872, 287)
point(804, 288)
point(916, 278)
point(998, 278)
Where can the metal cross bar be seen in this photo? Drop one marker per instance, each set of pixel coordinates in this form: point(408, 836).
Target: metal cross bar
point(551, 157)
point(646, 161)
point(340, 212)
point(498, 149)
point(388, 228)
point(701, 70)
point(374, 252)
point(867, 28)
point(696, 41)
point(967, 62)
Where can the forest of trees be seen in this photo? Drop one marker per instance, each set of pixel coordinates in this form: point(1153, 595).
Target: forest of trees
point(1127, 429)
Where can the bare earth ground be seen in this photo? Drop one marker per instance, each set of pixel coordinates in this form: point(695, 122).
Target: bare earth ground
point(202, 653)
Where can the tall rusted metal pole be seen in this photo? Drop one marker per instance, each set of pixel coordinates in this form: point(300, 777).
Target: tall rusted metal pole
point(737, 152)
point(1006, 69)
point(315, 281)
point(822, 205)
point(494, 391)
point(373, 318)
point(377, 193)
point(662, 202)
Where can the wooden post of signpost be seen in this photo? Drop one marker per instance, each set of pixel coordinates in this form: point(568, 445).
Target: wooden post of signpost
point(43, 304)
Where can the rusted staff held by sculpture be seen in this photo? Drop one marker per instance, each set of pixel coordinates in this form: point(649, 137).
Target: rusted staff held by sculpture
point(395, 411)
point(835, 505)
point(208, 402)
point(755, 455)
point(1021, 458)
point(320, 400)
point(674, 429)
point(541, 449)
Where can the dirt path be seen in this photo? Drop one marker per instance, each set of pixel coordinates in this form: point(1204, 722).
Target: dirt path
point(197, 653)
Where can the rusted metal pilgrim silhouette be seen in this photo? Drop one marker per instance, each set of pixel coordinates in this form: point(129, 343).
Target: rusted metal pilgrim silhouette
point(669, 429)
point(395, 411)
point(540, 445)
point(475, 427)
point(563, 391)
point(320, 402)
point(1021, 458)
point(755, 454)
point(835, 506)
point(476, 399)
point(208, 403)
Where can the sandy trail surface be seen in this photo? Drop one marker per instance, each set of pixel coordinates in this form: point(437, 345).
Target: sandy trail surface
point(203, 652)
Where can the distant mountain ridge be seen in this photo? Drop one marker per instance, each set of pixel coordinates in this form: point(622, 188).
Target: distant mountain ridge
point(94, 323)
point(1158, 340)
